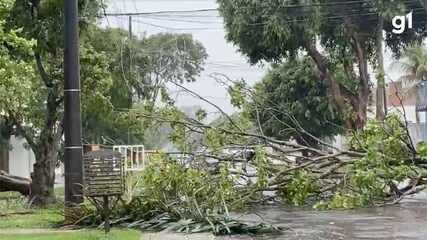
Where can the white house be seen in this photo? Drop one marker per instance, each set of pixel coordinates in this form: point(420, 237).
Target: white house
point(20, 160)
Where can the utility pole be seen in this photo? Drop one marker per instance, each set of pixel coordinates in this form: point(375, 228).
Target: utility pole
point(72, 115)
point(130, 47)
point(129, 77)
point(130, 29)
point(130, 60)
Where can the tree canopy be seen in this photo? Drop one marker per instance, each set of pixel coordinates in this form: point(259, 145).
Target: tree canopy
point(140, 70)
point(414, 64)
point(291, 102)
point(117, 70)
point(339, 35)
point(33, 90)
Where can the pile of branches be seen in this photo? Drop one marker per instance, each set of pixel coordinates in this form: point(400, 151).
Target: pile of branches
point(380, 166)
point(222, 168)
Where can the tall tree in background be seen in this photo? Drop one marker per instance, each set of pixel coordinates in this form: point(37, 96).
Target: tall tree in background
point(140, 69)
point(172, 58)
point(414, 64)
point(12, 87)
point(337, 36)
point(155, 60)
point(292, 102)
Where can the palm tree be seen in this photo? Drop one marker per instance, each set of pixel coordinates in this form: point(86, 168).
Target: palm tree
point(414, 64)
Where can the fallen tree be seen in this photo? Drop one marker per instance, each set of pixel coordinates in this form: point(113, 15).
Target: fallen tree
point(229, 169)
point(14, 183)
point(381, 165)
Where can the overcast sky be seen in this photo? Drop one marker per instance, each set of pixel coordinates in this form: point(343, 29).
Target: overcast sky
point(206, 27)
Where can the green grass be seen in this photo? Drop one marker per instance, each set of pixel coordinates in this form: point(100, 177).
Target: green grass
point(38, 218)
point(80, 235)
point(15, 215)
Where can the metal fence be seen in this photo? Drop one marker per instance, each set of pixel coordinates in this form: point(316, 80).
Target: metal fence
point(418, 132)
point(134, 156)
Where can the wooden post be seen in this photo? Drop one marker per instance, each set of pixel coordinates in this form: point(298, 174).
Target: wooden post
point(106, 214)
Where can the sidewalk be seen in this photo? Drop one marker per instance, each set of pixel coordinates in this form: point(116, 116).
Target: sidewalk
point(144, 236)
point(177, 236)
point(25, 231)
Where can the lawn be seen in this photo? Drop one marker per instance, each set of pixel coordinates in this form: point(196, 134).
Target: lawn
point(16, 213)
point(38, 218)
point(19, 222)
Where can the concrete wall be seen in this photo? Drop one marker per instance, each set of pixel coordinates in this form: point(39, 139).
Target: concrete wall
point(21, 159)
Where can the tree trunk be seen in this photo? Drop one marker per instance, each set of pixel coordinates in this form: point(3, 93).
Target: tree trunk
point(361, 111)
point(340, 96)
point(380, 99)
point(360, 100)
point(14, 184)
point(4, 158)
point(43, 175)
point(6, 129)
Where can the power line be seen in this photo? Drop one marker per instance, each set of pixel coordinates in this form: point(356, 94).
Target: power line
point(173, 28)
point(357, 13)
point(171, 19)
point(161, 12)
point(216, 9)
point(328, 18)
point(336, 3)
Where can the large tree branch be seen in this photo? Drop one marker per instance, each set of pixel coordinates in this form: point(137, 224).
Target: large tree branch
point(42, 71)
point(209, 102)
point(358, 46)
point(14, 184)
point(334, 89)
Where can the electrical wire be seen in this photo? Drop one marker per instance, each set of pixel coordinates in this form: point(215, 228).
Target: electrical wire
point(328, 19)
point(216, 9)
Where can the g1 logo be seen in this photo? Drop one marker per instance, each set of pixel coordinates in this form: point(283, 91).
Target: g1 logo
point(399, 23)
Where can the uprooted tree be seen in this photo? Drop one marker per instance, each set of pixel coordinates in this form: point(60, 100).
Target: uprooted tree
point(234, 166)
point(381, 166)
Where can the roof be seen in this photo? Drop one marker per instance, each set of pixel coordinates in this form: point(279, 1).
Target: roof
point(398, 94)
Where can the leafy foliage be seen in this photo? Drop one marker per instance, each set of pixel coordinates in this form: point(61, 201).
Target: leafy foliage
point(338, 37)
point(192, 191)
point(17, 74)
point(273, 30)
point(140, 69)
point(291, 100)
point(388, 162)
point(190, 200)
point(299, 189)
point(414, 64)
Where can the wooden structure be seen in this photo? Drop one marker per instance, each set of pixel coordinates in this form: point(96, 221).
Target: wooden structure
point(103, 178)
